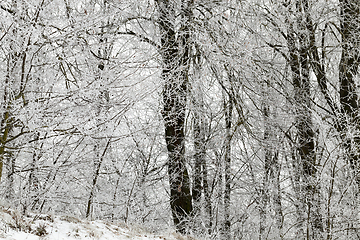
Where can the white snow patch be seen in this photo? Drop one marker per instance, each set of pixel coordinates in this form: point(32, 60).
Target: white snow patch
point(14, 226)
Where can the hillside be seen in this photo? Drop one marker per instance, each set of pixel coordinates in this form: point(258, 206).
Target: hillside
point(14, 226)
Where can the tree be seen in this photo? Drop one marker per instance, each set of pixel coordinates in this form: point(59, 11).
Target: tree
point(271, 189)
point(348, 70)
point(175, 50)
point(298, 44)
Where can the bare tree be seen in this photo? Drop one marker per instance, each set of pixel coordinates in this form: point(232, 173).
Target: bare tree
point(175, 50)
point(348, 70)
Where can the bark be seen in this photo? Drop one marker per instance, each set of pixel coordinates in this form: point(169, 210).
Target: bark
point(103, 99)
point(34, 183)
point(7, 119)
point(347, 122)
point(271, 182)
point(228, 107)
point(97, 164)
point(276, 196)
point(207, 195)
point(10, 171)
point(201, 185)
point(348, 69)
point(199, 156)
point(175, 55)
point(5, 130)
point(299, 45)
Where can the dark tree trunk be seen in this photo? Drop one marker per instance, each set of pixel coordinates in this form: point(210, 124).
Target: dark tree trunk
point(97, 165)
point(176, 60)
point(348, 69)
point(228, 108)
point(207, 195)
point(6, 120)
point(299, 45)
point(199, 156)
point(348, 124)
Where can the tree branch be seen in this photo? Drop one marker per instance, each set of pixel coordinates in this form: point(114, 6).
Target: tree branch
point(141, 37)
point(7, 10)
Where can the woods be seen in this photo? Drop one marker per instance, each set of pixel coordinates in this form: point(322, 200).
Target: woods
point(219, 119)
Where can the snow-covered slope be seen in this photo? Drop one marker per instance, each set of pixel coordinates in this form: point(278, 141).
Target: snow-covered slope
point(14, 226)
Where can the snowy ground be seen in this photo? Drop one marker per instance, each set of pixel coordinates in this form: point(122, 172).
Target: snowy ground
point(14, 226)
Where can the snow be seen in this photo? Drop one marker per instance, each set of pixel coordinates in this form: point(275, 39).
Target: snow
point(14, 226)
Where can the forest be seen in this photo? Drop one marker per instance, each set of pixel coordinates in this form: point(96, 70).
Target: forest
point(221, 119)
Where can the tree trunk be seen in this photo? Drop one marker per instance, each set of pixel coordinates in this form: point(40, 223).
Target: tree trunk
point(298, 44)
point(97, 165)
point(348, 69)
point(271, 182)
point(228, 107)
point(10, 172)
point(207, 195)
point(199, 144)
point(201, 185)
point(176, 60)
point(348, 124)
point(6, 121)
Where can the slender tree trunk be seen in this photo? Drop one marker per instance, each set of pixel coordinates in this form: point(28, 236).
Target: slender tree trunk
point(10, 172)
point(5, 130)
point(271, 182)
point(114, 199)
point(228, 107)
point(264, 189)
point(207, 195)
point(175, 51)
point(199, 156)
point(6, 121)
point(276, 195)
point(298, 43)
point(201, 185)
point(34, 183)
point(35, 186)
point(199, 169)
point(263, 206)
point(97, 164)
point(103, 99)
